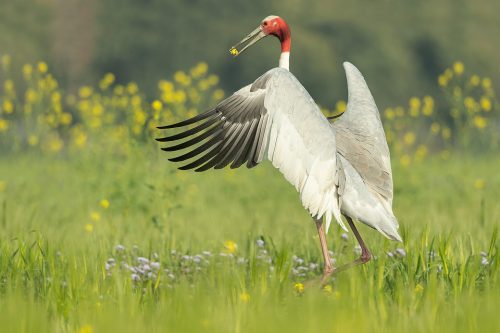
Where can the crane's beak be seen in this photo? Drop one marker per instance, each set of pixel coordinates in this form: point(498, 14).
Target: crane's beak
point(250, 39)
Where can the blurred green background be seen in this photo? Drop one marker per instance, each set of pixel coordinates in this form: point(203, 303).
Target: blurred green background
point(400, 46)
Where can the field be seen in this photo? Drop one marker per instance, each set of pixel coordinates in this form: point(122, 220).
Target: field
point(229, 251)
point(100, 233)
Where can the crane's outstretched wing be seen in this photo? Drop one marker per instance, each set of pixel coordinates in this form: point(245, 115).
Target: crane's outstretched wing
point(361, 138)
point(273, 117)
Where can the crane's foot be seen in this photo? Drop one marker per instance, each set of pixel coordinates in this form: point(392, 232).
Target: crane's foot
point(363, 259)
point(320, 280)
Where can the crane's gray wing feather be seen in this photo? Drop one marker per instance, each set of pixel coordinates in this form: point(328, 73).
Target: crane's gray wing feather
point(361, 139)
point(276, 118)
point(230, 130)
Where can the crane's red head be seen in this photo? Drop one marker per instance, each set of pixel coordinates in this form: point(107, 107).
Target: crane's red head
point(271, 25)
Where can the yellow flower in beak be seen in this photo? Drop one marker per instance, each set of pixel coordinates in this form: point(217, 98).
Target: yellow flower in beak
point(234, 51)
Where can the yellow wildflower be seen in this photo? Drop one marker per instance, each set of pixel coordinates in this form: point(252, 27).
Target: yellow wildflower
point(389, 113)
point(4, 124)
point(485, 103)
point(7, 106)
point(66, 118)
point(3, 185)
point(414, 112)
point(95, 216)
point(328, 289)
point(442, 80)
point(203, 85)
point(27, 70)
point(409, 138)
point(107, 80)
point(428, 108)
point(9, 86)
point(89, 227)
point(405, 160)
point(475, 80)
point(140, 117)
point(132, 88)
point(42, 67)
point(199, 70)
point(230, 246)
point(165, 85)
point(299, 287)
point(479, 183)
point(194, 96)
point(486, 83)
point(85, 91)
point(5, 62)
point(180, 96)
point(480, 122)
point(469, 103)
point(234, 52)
point(97, 110)
point(419, 288)
point(414, 102)
point(458, 67)
point(157, 105)
point(104, 203)
point(245, 297)
point(86, 328)
point(136, 101)
point(182, 78)
point(218, 94)
point(421, 152)
point(213, 80)
point(119, 89)
point(55, 144)
point(79, 137)
point(33, 140)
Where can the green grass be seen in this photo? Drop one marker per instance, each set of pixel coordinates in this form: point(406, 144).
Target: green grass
point(53, 276)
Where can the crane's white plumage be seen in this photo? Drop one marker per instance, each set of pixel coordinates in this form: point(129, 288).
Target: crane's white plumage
point(340, 167)
point(365, 158)
point(306, 158)
point(271, 118)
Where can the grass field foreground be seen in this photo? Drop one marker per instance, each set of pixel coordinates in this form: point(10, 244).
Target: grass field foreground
point(106, 243)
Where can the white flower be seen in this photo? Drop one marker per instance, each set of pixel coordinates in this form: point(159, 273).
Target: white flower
point(401, 252)
point(120, 248)
point(143, 260)
point(484, 261)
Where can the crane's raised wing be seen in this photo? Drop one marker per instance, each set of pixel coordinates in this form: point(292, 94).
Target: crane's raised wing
point(273, 117)
point(361, 138)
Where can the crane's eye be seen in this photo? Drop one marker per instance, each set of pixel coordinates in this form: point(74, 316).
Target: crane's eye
point(265, 23)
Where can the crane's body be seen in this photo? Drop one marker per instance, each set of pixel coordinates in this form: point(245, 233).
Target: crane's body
point(340, 168)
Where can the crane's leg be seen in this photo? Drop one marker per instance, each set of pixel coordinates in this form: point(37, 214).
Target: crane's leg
point(328, 268)
point(365, 253)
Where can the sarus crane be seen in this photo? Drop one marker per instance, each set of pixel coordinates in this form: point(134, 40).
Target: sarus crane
point(339, 168)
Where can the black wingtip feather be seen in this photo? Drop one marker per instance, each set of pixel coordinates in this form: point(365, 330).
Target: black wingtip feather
point(190, 121)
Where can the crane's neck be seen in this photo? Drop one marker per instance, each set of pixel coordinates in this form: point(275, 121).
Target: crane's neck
point(285, 60)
